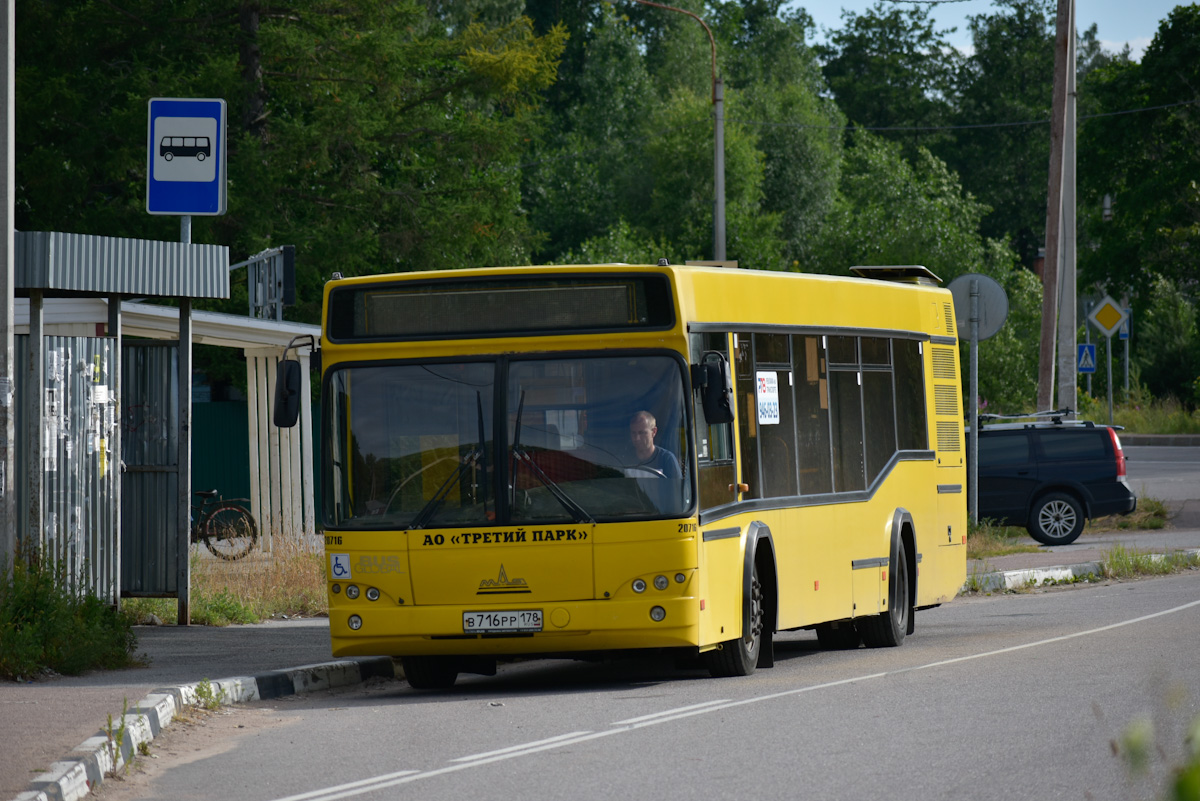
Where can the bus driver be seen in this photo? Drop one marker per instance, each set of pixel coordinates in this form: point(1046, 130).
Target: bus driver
point(653, 462)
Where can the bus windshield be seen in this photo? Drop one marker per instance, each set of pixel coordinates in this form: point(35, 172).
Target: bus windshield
point(586, 439)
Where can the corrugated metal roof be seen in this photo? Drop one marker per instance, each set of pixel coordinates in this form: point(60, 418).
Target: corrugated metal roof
point(59, 262)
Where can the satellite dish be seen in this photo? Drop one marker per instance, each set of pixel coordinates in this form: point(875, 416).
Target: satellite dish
point(993, 305)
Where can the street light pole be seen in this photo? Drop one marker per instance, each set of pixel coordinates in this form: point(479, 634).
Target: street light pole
point(718, 100)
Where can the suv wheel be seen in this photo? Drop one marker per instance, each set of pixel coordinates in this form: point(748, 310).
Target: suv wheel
point(1057, 519)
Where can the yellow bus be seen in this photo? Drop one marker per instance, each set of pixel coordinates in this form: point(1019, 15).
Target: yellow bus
point(567, 461)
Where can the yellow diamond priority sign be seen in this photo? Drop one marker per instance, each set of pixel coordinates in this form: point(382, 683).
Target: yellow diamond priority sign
point(1108, 316)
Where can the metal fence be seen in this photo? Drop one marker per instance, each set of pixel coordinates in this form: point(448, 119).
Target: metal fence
point(79, 464)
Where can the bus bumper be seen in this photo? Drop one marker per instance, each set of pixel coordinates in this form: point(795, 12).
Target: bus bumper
point(576, 626)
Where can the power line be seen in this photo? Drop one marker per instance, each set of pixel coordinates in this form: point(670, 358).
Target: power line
point(955, 127)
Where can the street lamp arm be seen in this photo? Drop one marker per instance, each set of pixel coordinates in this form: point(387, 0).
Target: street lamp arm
point(711, 41)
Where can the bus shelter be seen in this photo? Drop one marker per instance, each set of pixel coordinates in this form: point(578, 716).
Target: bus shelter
point(106, 493)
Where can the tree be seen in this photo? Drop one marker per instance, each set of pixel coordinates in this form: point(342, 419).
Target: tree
point(1008, 79)
point(889, 67)
point(371, 134)
point(1146, 162)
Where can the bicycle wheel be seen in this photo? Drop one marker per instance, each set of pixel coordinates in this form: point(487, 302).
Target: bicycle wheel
point(229, 531)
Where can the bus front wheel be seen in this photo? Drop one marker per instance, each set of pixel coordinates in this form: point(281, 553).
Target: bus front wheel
point(429, 672)
point(739, 657)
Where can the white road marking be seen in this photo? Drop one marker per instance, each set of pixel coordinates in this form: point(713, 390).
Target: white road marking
point(669, 712)
point(404, 777)
point(520, 747)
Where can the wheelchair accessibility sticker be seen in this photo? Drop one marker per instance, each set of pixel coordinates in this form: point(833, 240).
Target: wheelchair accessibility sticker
point(339, 565)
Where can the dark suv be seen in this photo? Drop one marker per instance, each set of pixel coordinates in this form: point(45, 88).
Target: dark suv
point(1050, 477)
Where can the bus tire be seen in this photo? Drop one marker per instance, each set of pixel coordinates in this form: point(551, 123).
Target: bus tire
point(887, 629)
point(429, 672)
point(740, 657)
point(841, 636)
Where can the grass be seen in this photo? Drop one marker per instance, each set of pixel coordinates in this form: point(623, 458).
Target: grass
point(288, 582)
point(1122, 562)
point(1142, 413)
point(987, 538)
point(1150, 514)
point(46, 625)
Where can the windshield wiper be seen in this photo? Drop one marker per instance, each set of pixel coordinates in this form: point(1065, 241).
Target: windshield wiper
point(578, 513)
point(427, 511)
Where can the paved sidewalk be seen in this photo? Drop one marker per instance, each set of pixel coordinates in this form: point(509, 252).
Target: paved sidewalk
point(54, 747)
point(45, 719)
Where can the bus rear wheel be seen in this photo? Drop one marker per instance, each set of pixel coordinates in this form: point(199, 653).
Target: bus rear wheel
point(887, 629)
point(429, 672)
point(740, 657)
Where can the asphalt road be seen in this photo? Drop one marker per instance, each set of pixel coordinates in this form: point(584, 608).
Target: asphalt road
point(1169, 474)
point(1010, 696)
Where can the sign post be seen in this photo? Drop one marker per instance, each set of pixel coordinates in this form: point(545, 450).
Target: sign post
point(185, 176)
point(980, 309)
point(1108, 316)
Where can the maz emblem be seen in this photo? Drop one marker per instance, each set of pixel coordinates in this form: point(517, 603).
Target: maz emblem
point(503, 585)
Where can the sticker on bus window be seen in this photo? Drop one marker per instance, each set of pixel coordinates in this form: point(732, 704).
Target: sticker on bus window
point(768, 398)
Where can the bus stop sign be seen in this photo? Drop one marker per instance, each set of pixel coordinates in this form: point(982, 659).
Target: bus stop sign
point(185, 158)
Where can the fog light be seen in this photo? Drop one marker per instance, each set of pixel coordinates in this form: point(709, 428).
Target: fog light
point(657, 613)
point(372, 594)
point(680, 578)
point(660, 582)
point(355, 622)
point(335, 589)
point(352, 591)
point(639, 585)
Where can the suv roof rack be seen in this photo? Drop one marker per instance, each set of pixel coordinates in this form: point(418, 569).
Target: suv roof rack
point(1056, 416)
point(1049, 418)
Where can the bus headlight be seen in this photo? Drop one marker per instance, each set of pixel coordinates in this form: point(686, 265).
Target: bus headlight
point(639, 585)
point(352, 591)
point(680, 578)
point(372, 594)
point(661, 583)
point(355, 622)
point(657, 613)
point(335, 589)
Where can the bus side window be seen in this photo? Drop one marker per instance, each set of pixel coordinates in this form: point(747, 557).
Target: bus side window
point(713, 442)
point(911, 432)
point(812, 415)
point(747, 412)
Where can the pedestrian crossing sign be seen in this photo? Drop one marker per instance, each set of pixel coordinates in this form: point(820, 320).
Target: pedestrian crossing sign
point(1086, 360)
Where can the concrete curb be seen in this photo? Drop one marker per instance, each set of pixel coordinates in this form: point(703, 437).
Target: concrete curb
point(1035, 577)
point(76, 776)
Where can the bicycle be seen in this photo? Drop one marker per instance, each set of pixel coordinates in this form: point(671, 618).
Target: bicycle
point(224, 526)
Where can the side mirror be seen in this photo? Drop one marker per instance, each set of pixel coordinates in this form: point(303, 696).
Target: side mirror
point(286, 410)
point(716, 393)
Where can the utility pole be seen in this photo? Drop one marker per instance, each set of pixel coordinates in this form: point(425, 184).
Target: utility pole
point(1068, 394)
point(8, 439)
point(1046, 352)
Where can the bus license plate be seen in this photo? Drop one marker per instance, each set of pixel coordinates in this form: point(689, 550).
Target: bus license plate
point(521, 620)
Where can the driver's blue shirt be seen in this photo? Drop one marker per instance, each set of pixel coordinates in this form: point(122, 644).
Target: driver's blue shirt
point(664, 494)
point(663, 461)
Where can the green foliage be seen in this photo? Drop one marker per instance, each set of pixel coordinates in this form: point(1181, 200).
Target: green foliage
point(1146, 162)
point(892, 211)
point(889, 67)
point(210, 697)
point(367, 133)
point(45, 624)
